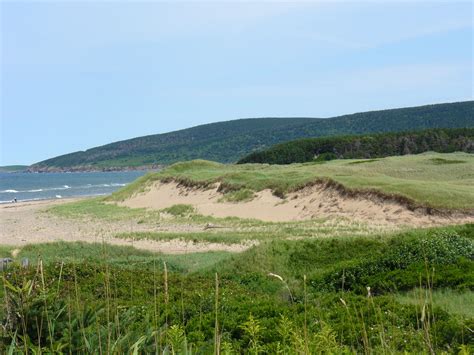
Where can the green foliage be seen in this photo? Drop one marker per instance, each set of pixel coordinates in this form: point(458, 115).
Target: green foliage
point(454, 302)
point(228, 141)
point(96, 304)
point(418, 256)
point(12, 168)
point(442, 161)
point(119, 257)
point(96, 208)
point(238, 196)
point(368, 146)
point(179, 210)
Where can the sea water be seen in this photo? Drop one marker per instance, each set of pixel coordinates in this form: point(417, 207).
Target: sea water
point(43, 186)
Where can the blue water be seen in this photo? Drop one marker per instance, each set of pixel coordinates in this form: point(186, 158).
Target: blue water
point(33, 186)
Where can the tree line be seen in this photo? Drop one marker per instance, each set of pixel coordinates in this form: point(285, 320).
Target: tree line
point(442, 140)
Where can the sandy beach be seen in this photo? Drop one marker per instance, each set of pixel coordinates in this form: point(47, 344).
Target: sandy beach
point(29, 222)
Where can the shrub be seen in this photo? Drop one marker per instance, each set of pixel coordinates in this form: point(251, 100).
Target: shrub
point(405, 262)
point(179, 210)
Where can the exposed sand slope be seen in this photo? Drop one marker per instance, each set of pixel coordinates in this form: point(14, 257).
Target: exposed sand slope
point(26, 223)
point(312, 202)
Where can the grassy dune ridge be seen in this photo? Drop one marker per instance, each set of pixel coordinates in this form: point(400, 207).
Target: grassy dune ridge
point(441, 181)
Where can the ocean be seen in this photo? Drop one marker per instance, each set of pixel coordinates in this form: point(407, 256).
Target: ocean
point(45, 186)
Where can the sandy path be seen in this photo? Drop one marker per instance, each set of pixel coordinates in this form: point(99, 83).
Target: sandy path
point(316, 201)
point(27, 223)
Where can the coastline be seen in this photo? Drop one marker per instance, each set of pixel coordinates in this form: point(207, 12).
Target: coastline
point(44, 201)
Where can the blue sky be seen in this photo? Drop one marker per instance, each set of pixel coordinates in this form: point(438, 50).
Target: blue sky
point(75, 75)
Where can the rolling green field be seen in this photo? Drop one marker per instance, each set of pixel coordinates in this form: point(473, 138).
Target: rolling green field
point(442, 181)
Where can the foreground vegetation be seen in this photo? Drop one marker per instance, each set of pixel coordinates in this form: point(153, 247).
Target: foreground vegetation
point(227, 142)
point(441, 181)
point(367, 146)
point(336, 295)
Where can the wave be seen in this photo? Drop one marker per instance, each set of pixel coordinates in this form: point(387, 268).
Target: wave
point(2, 202)
point(64, 187)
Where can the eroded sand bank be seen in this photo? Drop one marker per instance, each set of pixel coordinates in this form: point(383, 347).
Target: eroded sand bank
point(317, 201)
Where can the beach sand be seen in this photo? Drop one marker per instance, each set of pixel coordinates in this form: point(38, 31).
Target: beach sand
point(25, 223)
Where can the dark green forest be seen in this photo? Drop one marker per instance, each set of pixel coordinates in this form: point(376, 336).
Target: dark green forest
point(228, 141)
point(366, 146)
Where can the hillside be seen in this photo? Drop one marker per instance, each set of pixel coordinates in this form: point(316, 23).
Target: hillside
point(378, 145)
point(13, 168)
point(228, 141)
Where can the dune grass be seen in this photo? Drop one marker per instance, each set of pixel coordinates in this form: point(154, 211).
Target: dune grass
point(226, 234)
point(454, 302)
point(180, 210)
point(5, 251)
point(96, 208)
point(118, 256)
point(421, 178)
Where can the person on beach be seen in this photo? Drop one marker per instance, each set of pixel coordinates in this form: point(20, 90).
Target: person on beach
point(14, 200)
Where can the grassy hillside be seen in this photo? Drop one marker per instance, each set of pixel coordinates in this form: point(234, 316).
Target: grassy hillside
point(444, 181)
point(229, 141)
point(366, 146)
point(12, 168)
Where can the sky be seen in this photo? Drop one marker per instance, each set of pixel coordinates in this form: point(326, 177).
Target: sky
point(75, 75)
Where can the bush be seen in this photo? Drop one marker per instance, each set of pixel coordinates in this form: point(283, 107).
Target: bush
point(179, 210)
point(405, 263)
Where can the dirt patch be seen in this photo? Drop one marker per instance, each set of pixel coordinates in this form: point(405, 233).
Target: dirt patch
point(315, 201)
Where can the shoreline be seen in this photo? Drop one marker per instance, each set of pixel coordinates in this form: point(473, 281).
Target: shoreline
point(47, 200)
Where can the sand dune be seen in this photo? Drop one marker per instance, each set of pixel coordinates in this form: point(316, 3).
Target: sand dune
point(317, 201)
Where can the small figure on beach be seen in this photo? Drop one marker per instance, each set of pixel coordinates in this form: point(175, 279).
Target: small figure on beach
point(14, 200)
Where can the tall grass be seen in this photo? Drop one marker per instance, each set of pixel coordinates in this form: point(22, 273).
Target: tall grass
point(76, 306)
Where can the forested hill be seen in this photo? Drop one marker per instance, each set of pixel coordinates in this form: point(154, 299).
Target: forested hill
point(231, 140)
point(377, 145)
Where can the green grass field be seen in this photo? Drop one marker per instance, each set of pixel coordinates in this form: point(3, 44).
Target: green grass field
point(443, 181)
